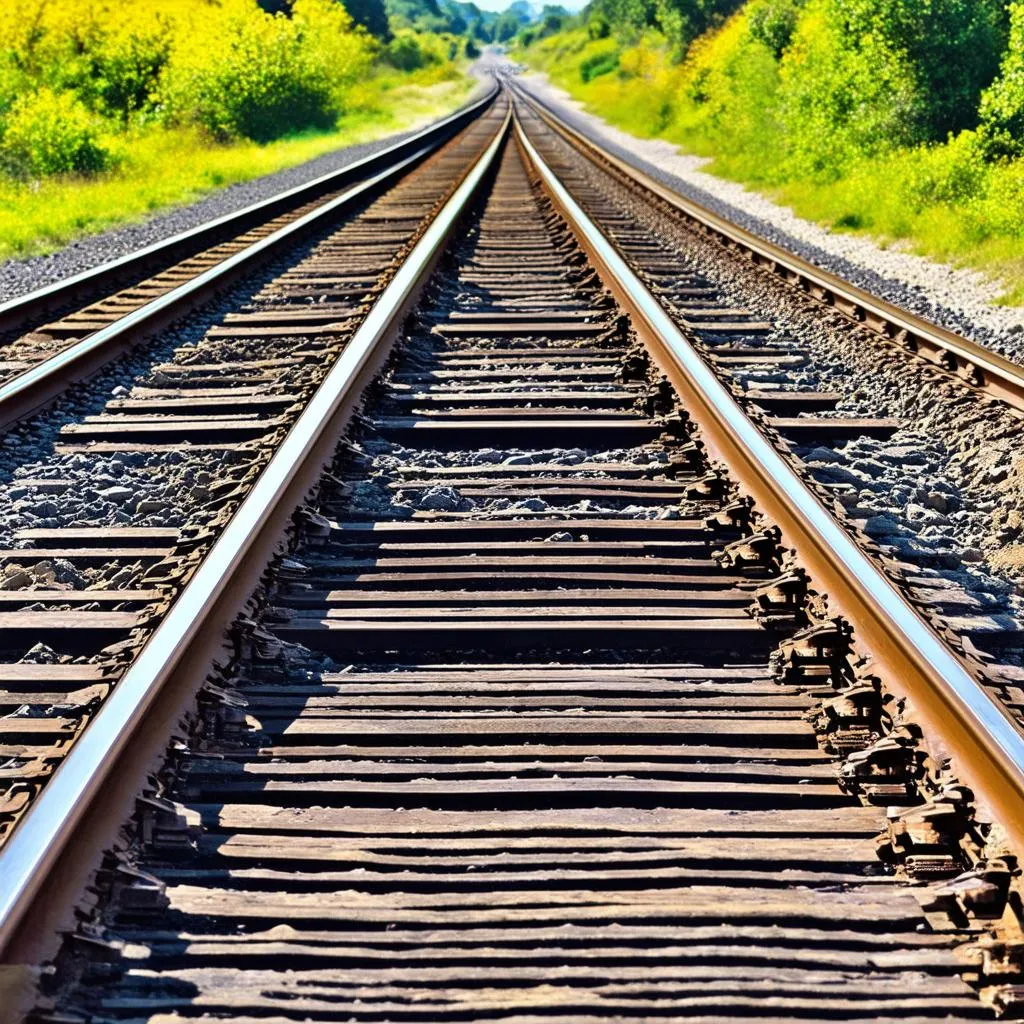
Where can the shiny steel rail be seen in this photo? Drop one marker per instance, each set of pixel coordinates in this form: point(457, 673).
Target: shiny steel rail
point(41, 383)
point(211, 598)
point(975, 364)
point(946, 695)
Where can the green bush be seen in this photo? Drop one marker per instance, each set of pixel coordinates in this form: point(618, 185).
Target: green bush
point(598, 26)
point(506, 27)
point(600, 63)
point(953, 174)
point(952, 48)
point(1002, 104)
point(52, 133)
point(772, 22)
point(271, 75)
point(411, 51)
point(843, 97)
point(405, 53)
point(122, 73)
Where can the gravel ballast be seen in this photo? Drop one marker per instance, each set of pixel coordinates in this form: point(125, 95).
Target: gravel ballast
point(958, 299)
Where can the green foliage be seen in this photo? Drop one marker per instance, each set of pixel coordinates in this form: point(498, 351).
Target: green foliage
point(772, 22)
point(680, 21)
point(952, 174)
point(77, 74)
point(902, 117)
point(600, 61)
point(165, 167)
point(552, 19)
point(52, 133)
point(598, 26)
point(405, 53)
point(1002, 104)
point(443, 17)
point(274, 75)
point(371, 15)
point(413, 51)
point(952, 48)
point(124, 68)
point(506, 27)
point(842, 96)
point(418, 15)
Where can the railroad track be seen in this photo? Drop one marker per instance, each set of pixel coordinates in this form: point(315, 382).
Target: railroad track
point(537, 715)
point(795, 387)
point(169, 460)
point(974, 365)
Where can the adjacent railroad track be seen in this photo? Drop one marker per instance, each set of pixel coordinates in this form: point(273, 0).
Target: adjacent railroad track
point(67, 330)
point(973, 364)
point(552, 688)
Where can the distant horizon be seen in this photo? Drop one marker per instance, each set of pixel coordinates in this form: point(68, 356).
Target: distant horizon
point(502, 5)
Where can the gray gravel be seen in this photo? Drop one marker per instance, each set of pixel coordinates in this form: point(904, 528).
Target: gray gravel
point(18, 277)
point(960, 300)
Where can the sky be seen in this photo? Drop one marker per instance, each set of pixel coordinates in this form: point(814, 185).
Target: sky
point(500, 5)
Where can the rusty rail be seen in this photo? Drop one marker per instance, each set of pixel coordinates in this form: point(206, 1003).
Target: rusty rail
point(946, 695)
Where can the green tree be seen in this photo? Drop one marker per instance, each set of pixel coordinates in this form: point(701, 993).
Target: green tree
point(952, 48)
point(372, 15)
point(772, 22)
point(1002, 104)
point(506, 27)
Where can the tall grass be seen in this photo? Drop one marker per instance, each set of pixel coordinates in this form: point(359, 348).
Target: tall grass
point(162, 167)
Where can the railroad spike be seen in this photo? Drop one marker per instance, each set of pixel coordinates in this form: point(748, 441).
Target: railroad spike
point(852, 719)
point(636, 364)
point(678, 427)
point(164, 826)
point(980, 893)
point(731, 521)
point(714, 486)
point(1001, 958)
point(888, 769)
point(222, 713)
point(824, 645)
point(134, 891)
point(781, 601)
point(312, 524)
point(757, 553)
point(926, 840)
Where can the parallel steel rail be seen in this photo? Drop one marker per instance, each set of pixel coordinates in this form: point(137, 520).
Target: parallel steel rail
point(191, 633)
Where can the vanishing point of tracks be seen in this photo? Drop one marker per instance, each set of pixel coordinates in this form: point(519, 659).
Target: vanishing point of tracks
point(551, 691)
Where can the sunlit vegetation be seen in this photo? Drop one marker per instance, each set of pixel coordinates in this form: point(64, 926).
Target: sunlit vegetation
point(110, 109)
point(901, 119)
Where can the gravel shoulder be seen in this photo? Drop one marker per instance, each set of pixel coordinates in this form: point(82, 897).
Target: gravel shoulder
point(959, 299)
point(18, 277)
